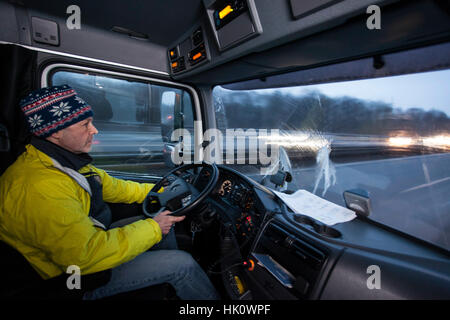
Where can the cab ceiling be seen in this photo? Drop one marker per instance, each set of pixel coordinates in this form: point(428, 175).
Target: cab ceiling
point(326, 37)
point(169, 18)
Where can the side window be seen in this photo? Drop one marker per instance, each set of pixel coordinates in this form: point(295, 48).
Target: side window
point(135, 120)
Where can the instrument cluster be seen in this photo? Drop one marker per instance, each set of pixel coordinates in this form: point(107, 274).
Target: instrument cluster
point(239, 196)
point(235, 193)
point(237, 201)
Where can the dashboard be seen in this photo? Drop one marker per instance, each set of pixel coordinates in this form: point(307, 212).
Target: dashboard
point(235, 199)
point(293, 258)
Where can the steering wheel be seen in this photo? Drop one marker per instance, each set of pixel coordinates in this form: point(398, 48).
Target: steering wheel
point(179, 195)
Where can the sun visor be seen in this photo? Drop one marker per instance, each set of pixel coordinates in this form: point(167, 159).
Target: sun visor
point(435, 57)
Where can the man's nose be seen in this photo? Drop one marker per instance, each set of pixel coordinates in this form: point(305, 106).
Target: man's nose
point(93, 129)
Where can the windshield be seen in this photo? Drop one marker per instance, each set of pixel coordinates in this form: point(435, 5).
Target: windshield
point(389, 137)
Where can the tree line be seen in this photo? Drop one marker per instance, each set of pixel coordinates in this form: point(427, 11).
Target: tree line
point(316, 111)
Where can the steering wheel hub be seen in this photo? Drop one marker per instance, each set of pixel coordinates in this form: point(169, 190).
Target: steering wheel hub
point(180, 194)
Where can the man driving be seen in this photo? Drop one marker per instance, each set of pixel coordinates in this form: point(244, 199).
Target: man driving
point(54, 211)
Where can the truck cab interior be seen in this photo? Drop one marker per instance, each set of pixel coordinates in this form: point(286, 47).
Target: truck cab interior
point(311, 137)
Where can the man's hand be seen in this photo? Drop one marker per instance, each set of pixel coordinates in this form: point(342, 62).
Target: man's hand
point(166, 222)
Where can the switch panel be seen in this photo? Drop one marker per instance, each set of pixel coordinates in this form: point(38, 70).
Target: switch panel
point(45, 31)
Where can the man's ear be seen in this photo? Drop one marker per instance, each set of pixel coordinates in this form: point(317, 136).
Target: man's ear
point(55, 136)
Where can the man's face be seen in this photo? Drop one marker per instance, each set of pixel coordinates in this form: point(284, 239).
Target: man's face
point(76, 138)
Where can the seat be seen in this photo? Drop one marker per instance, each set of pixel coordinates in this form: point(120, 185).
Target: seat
point(20, 281)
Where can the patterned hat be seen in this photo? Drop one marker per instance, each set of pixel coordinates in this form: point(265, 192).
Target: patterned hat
point(48, 110)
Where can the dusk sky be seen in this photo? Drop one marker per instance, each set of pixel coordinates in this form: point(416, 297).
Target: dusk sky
point(429, 90)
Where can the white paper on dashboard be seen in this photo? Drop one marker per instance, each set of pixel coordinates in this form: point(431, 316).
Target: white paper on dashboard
point(306, 203)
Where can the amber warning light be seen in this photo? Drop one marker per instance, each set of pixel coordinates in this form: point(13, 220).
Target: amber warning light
point(173, 53)
point(225, 11)
point(197, 56)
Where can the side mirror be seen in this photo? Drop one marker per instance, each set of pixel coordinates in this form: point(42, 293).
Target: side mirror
point(282, 176)
point(279, 178)
point(167, 155)
point(358, 200)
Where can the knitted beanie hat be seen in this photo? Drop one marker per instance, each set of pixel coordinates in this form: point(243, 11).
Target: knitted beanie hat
point(48, 110)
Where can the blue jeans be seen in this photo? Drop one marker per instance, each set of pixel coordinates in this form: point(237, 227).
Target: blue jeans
point(162, 263)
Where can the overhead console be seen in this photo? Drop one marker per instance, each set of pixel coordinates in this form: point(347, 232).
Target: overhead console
point(256, 39)
point(189, 53)
point(232, 21)
point(230, 29)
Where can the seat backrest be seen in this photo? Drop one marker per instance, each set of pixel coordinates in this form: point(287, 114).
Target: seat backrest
point(18, 275)
point(20, 280)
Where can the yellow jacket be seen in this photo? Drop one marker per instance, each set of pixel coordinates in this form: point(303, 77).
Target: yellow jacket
point(44, 215)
